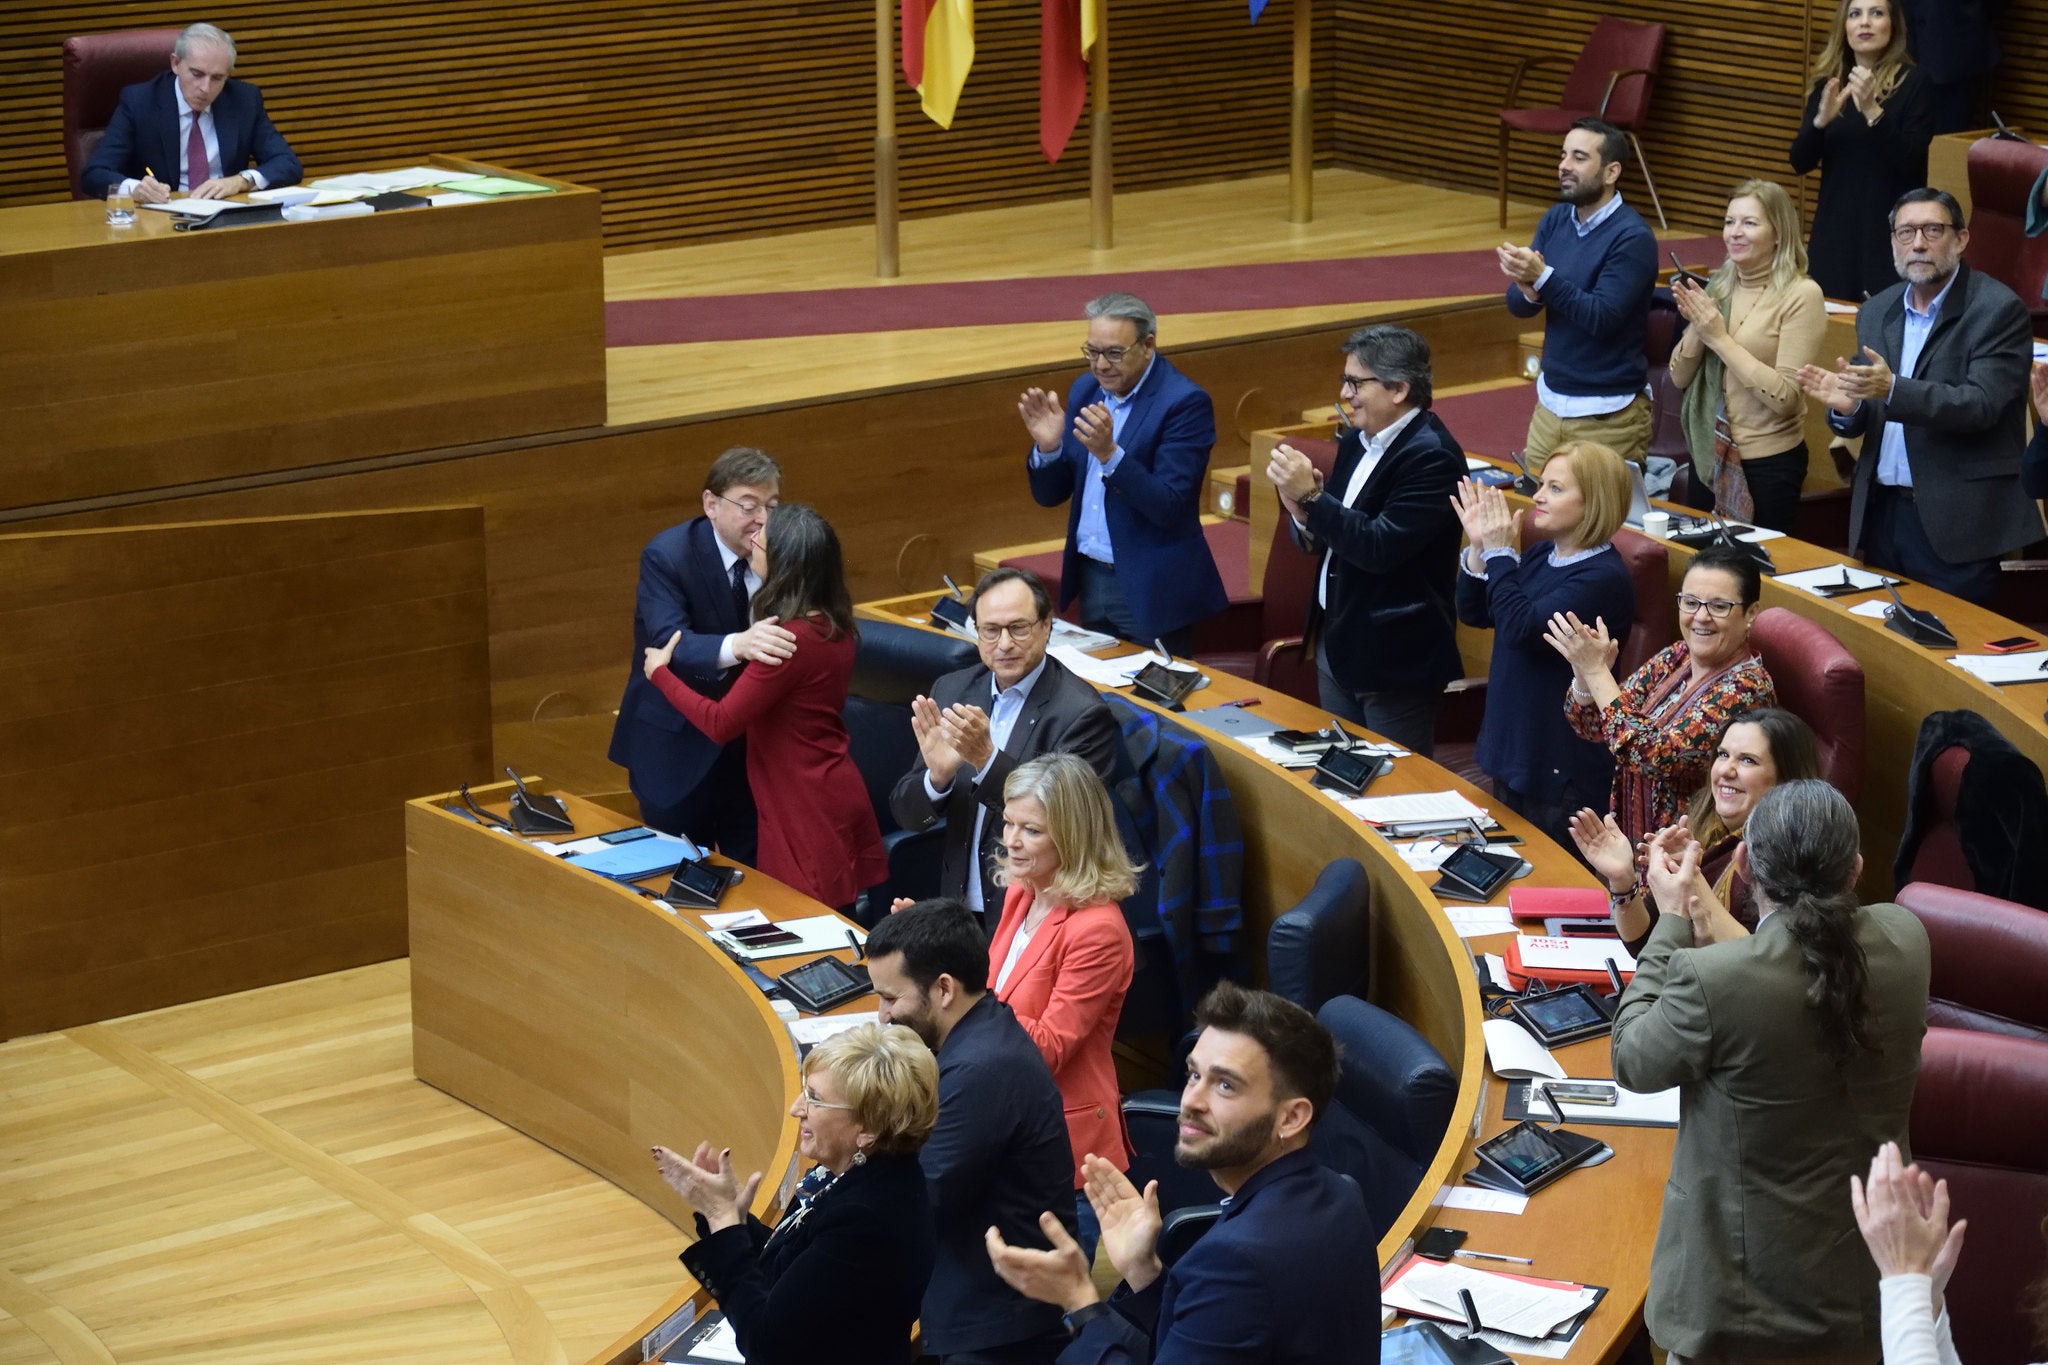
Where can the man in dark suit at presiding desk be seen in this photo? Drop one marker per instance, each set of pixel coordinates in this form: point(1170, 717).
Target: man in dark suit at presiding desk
point(999, 1154)
point(978, 724)
point(1129, 455)
point(1289, 1273)
point(1384, 616)
point(695, 578)
point(1938, 392)
point(193, 125)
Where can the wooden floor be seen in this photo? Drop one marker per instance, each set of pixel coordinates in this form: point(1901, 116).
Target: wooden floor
point(259, 1180)
point(1239, 222)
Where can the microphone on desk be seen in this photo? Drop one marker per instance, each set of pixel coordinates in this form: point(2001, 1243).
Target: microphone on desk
point(951, 586)
point(860, 951)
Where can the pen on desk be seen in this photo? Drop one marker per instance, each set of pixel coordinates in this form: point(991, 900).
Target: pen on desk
point(1493, 1256)
point(1254, 701)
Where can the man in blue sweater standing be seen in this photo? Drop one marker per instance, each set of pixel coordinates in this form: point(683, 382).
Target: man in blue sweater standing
point(1592, 266)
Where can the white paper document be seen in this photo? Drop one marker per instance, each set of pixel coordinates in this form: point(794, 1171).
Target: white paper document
point(733, 919)
point(1427, 855)
point(722, 1344)
point(1116, 672)
point(306, 213)
point(1476, 1200)
point(815, 1030)
point(1834, 576)
point(1066, 634)
point(1480, 921)
point(1413, 808)
point(1497, 971)
point(1658, 1107)
point(1574, 954)
point(1876, 610)
point(199, 208)
point(379, 182)
point(1512, 1053)
point(815, 934)
point(2005, 668)
point(1526, 1310)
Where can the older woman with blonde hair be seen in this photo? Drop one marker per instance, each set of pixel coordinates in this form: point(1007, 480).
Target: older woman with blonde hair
point(1513, 585)
point(1061, 958)
point(1757, 321)
point(855, 1247)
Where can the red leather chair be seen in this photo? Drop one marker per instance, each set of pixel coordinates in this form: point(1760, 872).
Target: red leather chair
point(1990, 960)
point(1281, 661)
point(2002, 175)
point(1979, 1111)
point(1822, 683)
point(1611, 79)
point(1939, 858)
point(97, 67)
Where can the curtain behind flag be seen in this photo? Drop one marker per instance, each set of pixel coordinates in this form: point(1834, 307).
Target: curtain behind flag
point(1065, 33)
point(938, 52)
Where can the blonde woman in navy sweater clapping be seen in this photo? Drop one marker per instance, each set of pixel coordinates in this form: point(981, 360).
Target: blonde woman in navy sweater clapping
point(1513, 583)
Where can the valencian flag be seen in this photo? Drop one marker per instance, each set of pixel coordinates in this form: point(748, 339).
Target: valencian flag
point(1066, 34)
point(938, 50)
point(1259, 7)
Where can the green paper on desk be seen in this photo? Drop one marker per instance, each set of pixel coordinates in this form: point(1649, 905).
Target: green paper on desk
point(497, 184)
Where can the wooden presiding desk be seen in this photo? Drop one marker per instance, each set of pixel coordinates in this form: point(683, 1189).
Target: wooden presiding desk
point(587, 1016)
point(143, 357)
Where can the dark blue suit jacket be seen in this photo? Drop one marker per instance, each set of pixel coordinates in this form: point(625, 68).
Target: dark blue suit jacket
point(144, 135)
point(683, 587)
point(1392, 620)
point(1153, 502)
point(1281, 1279)
point(998, 1158)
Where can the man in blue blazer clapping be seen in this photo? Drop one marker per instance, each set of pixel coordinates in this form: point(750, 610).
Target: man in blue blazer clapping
point(192, 128)
point(1129, 454)
point(1282, 1276)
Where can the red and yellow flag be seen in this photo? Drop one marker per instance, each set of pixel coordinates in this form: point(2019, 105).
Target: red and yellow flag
point(938, 52)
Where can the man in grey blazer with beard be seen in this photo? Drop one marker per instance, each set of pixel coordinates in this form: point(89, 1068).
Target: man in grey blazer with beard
point(979, 723)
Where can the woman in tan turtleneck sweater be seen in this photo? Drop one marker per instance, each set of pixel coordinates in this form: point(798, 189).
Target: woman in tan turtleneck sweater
point(1757, 321)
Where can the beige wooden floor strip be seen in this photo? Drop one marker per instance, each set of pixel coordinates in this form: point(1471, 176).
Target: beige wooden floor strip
point(70, 1341)
point(528, 1335)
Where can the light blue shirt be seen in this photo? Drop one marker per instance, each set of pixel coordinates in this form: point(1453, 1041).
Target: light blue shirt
point(1091, 532)
point(1892, 465)
point(1581, 405)
point(1004, 708)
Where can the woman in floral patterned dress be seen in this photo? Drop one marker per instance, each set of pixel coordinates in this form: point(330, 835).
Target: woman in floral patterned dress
point(1663, 724)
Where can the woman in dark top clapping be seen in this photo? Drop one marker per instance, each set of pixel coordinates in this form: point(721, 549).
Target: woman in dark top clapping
point(1867, 126)
point(1538, 766)
point(841, 1276)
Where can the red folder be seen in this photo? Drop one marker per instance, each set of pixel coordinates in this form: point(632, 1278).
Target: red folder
point(1542, 902)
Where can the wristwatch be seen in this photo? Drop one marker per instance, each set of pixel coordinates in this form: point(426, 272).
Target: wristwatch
point(1084, 1315)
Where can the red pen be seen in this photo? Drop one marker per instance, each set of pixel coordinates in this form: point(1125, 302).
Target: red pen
point(1241, 701)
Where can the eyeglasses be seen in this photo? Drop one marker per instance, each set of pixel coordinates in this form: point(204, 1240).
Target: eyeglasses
point(748, 507)
point(1113, 354)
point(811, 1101)
point(1352, 383)
point(1904, 233)
point(1020, 631)
point(1717, 607)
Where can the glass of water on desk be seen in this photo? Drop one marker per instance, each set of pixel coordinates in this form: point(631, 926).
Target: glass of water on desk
point(120, 207)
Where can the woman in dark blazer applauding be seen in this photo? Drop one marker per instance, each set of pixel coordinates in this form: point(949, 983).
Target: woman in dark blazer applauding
point(1539, 767)
point(818, 829)
point(1867, 126)
point(841, 1276)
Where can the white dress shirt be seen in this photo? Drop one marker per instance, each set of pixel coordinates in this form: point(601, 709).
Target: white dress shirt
point(726, 559)
point(1005, 705)
point(1376, 448)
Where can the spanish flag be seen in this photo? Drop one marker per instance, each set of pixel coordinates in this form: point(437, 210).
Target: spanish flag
point(938, 51)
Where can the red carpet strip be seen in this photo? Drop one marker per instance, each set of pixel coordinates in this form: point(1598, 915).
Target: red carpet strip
point(1058, 298)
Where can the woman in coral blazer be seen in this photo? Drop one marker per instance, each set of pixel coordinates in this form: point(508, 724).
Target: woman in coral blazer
point(1061, 958)
point(818, 829)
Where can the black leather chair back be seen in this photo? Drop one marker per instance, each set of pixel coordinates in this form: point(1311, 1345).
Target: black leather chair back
point(1323, 946)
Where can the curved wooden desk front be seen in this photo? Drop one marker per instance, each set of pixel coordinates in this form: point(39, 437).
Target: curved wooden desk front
point(589, 1017)
point(1421, 971)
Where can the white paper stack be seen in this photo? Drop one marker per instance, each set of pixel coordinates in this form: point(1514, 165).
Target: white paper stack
point(1816, 581)
point(2002, 669)
point(1414, 808)
point(1512, 1053)
point(1507, 1305)
point(1574, 954)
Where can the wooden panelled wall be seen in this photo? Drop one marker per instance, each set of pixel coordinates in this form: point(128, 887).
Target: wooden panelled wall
point(696, 119)
point(206, 735)
point(1420, 86)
